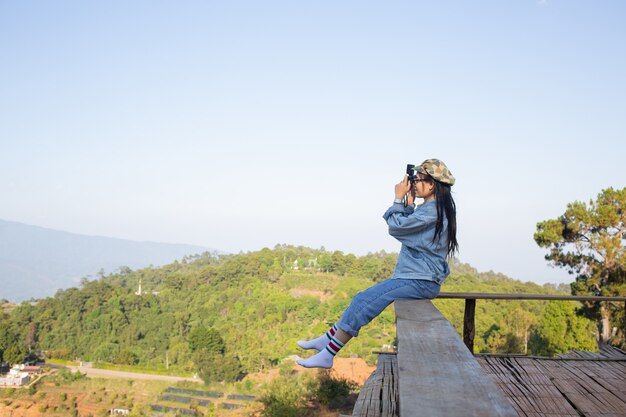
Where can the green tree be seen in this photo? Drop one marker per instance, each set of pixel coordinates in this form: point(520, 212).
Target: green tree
point(127, 357)
point(106, 352)
point(202, 337)
point(325, 262)
point(14, 354)
point(560, 330)
point(275, 271)
point(588, 241)
point(521, 322)
point(339, 263)
point(215, 367)
point(371, 267)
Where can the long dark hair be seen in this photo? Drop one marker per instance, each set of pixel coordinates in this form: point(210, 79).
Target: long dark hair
point(445, 205)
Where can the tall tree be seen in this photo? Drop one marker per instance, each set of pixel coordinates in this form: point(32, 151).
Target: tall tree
point(588, 241)
point(202, 337)
point(560, 329)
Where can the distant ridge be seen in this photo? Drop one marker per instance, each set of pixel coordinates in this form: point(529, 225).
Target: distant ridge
point(35, 262)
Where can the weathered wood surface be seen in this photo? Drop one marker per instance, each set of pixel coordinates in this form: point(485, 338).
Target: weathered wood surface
point(606, 352)
point(438, 376)
point(500, 296)
point(379, 395)
point(561, 387)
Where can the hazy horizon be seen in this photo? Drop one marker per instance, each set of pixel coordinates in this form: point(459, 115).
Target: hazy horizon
point(109, 270)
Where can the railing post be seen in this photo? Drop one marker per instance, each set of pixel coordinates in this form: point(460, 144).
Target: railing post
point(468, 323)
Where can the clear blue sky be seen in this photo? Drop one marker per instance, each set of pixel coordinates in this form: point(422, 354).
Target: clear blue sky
point(238, 125)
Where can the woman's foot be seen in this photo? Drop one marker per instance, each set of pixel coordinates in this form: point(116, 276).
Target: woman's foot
point(321, 342)
point(318, 344)
point(322, 359)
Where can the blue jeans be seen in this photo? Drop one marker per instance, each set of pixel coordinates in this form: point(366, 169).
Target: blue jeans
point(369, 303)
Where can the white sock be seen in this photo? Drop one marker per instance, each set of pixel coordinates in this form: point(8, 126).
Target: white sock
point(319, 343)
point(322, 359)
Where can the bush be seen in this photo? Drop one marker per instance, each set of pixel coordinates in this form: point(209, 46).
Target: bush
point(331, 391)
point(32, 389)
point(66, 375)
point(285, 397)
point(215, 367)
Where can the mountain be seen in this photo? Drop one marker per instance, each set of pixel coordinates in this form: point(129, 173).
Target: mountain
point(35, 262)
point(255, 306)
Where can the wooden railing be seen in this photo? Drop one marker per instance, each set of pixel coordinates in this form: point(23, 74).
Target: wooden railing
point(470, 306)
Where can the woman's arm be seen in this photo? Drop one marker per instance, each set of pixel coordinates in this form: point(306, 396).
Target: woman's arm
point(403, 222)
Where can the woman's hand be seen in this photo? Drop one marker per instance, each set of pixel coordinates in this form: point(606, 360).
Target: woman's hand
point(403, 187)
point(410, 199)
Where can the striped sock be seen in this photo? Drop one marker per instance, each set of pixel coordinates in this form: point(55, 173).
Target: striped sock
point(324, 358)
point(331, 332)
point(320, 342)
point(334, 346)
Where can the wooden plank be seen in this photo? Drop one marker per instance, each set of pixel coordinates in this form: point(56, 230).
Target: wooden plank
point(438, 376)
point(501, 296)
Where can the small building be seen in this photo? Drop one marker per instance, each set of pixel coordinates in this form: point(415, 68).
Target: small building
point(32, 369)
point(119, 411)
point(15, 377)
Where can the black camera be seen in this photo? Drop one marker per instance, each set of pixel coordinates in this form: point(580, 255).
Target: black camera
point(410, 171)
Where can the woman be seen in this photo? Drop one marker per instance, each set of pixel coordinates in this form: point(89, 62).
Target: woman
point(428, 237)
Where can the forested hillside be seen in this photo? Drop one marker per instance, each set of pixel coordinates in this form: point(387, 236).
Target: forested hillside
point(245, 312)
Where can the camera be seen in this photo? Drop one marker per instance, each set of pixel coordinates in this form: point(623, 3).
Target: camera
point(410, 171)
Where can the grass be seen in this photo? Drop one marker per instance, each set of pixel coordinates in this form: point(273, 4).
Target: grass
point(139, 369)
point(61, 362)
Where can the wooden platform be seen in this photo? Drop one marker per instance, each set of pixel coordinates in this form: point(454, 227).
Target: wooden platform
point(571, 386)
point(535, 387)
point(438, 376)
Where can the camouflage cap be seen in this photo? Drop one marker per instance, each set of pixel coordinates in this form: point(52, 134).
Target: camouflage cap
point(436, 169)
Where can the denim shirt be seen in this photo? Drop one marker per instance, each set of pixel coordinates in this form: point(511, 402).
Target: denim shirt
point(419, 257)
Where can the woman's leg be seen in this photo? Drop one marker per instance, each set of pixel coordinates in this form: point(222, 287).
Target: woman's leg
point(368, 304)
point(365, 306)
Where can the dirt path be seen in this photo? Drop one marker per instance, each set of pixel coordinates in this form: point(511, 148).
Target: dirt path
point(106, 373)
